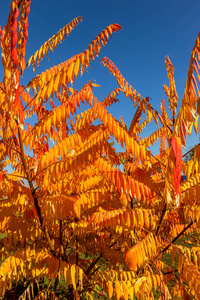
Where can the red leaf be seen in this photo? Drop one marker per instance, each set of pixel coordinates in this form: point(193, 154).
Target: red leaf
point(177, 151)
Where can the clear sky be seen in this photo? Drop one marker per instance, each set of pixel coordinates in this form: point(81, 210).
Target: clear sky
point(151, 30)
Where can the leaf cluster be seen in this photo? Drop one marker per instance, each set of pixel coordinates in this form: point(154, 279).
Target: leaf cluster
point(73, 224)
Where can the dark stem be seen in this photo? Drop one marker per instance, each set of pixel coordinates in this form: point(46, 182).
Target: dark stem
point(30, 102)
point(76, 250)
point(158, 160)
point(71, 292)
point(161, 219)
point(10, 147)
point(131, 201)
point(129, 173)
point(177, 237)
point(188, 152)
point(56, 283)
point(19, 3)
point(99, 293)
point(170, 272)
point(2, 90)
point(61, 240)
point(33, 192)
point(97, 269)
point(93, 264)
point(95, 261)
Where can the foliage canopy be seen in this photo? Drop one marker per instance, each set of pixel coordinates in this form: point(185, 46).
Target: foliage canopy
point(74, 223)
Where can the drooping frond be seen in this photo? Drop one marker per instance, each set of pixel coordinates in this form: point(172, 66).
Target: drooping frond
point(145, 177)
point(23, 33)
point(188, 270)
point(85, 118)
point(191, 182)
point(70, 72)
point(89, 116)
point(90, 52)
point(111, 98)
point(135, 120)
point(134, 219)
point(172, 191)
point(62, 206)
point(74, 162)
point(137, 288)
point(191, 212)
point(150, 140)
point(53, 42)
point(20, 264)
point(51, 79)
point(70, 144)
point(187, 112)
point(93, 197)
point(59, 114)
point(190, 191)
point(10, 63)
point(88, 184)
point(171, 91)
point(142, 252)
point(143, 125)
point(121, 134)
point(123, 84)
point(123, 182)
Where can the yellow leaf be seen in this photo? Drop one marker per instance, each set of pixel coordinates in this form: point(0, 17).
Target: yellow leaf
point(81, 278)
point(48, 125)
point(95, 84)
point(58, 114)
point(110, 289)
point(180, 262)
point(70, 72)
point(118, 289)
point(155, 117)
point(158, 279)
point(46, 177)
point(140, 218)
point(76, 68)
point(73, 276)
point(154, 282)
point(195, 260)
point(67, 275)
point(71, 89)
point(56, 82)
point(131, 292)
point(22, 199)
point(50, 87)
point(146, 219)
point(77, 209)
point(125, 290)
point(43, 92)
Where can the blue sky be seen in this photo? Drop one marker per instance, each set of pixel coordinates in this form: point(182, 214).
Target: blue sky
point(151, 30)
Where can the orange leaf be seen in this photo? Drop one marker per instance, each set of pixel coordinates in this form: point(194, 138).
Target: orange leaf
point(110, 289)
point(118, 289)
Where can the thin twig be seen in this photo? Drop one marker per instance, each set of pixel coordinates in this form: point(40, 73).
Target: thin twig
point(161, 219)
point(2, 141)
point(177, 237)
point(188, 152)
point(38, 209)
point(99, 293)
